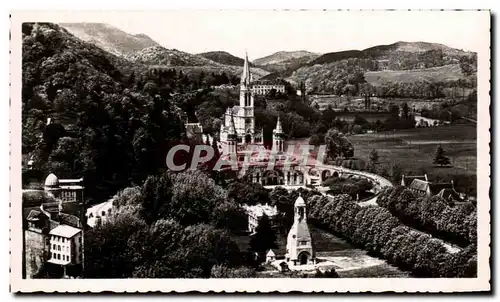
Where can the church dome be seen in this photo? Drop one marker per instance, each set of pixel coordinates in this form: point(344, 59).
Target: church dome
point(51, 180)
point(300, 202)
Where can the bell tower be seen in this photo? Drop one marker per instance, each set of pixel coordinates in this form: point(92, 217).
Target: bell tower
point(232, 139)
point(247, 102)
point(299, 247)
point(278, 138)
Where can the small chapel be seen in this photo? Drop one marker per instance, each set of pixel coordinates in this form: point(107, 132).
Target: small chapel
point(299, 246)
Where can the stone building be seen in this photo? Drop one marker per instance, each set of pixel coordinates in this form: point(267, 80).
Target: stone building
point(68, 190)
point(241, 118)
point(256, 212)
point(65, 245)
point(299, 245)
point(99, 213)
point(41, 228)
point(264, 89)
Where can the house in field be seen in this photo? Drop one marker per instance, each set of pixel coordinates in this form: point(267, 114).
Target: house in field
point(423, 187)
point(406, 180)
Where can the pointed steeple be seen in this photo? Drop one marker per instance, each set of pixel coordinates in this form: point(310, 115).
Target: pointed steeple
point(278, 129)
point(278, 138)
point(232, 127)
point(246, 76)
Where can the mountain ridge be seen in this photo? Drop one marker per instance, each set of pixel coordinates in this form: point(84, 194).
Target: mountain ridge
point(109, 38)
point(283, 56)
point(224, 57)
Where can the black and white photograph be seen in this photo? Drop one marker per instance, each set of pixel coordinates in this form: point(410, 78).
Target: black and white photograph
point(271, 145)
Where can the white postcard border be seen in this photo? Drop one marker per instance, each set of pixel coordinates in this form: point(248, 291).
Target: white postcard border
point(481, 283)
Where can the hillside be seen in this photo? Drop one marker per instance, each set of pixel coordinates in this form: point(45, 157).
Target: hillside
point(160, 57)
point(284, 60)
point(110, 38)
point(399, 53)
point(433, 75)
point(102, 112)
point(425, 69)
point(224, 57)
point(284, 56)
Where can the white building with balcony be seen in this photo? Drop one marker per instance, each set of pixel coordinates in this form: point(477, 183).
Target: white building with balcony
point(256, 212)
point(65, 245)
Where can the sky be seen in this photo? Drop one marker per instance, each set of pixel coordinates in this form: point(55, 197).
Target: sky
point(261, 33)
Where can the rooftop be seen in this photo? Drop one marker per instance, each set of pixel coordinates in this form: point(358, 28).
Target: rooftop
point(419, 185)
point(100, 206)
point(65, 231)
point(260, 210)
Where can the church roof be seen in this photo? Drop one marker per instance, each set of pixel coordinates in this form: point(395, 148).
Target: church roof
point(300, 202)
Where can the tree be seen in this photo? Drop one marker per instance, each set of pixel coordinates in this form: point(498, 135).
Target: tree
point(264, 237)
point(337, 145)
point(316, 139)
point(357, 129)
point(229, 215)
point(440, 158)
point(396, 173)
point(332, 273)
point(222, 271)
point(107, 246)
point(374, 157)
point(247, 193)
point(405, 111)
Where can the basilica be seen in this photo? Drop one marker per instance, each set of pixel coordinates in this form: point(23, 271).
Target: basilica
point(242, 117)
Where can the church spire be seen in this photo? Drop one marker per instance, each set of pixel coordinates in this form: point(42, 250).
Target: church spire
point(246, 77)
point(278, 138)
point(232, 127)
point(278, 129)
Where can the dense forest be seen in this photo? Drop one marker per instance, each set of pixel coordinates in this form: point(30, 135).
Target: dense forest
point(347, 77)
point(87, 113)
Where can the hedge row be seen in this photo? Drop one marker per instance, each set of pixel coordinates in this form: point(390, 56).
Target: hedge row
point(379, 232)
point(456, 223)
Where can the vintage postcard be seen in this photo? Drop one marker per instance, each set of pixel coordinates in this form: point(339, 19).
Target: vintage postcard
point(311, 151)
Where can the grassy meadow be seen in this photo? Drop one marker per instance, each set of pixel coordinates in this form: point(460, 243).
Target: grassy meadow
point(413, 151)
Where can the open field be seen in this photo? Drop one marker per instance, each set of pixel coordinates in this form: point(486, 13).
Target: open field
point(349, 261)
point(356, 105)
point(414, 149)
point(435, 74)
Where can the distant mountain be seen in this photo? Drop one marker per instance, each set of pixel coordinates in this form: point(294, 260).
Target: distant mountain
point(391, 66)
point(285, 60)
point(223, 57)
point(162, 57)
point(281, 57)
point(158, 55)
point(110, 38)
point(409, 50)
